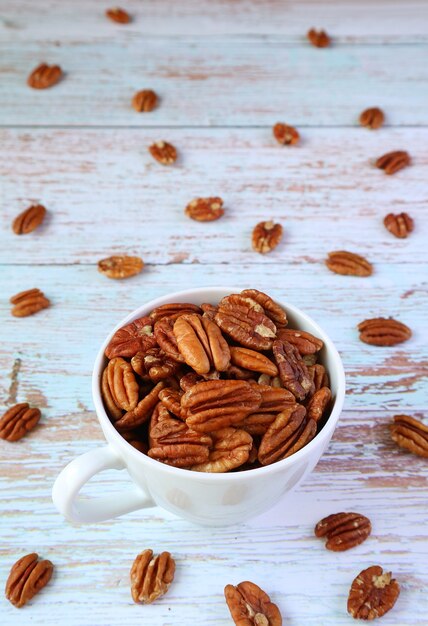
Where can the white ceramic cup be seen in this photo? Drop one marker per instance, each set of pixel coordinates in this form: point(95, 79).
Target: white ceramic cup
point(203, 498)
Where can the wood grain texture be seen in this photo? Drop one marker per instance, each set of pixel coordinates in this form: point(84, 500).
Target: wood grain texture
point(221, 63)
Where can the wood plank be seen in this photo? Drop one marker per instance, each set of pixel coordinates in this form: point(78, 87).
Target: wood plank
point(106, 195)
point(346, 20)
point(214, 82)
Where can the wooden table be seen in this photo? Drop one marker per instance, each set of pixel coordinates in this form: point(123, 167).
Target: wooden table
point(225, 72)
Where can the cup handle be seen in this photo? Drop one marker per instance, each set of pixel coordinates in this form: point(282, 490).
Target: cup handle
point(65, 492)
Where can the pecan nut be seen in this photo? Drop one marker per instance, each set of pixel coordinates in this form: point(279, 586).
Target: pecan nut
point(318, 38)
point(120, 16)
point(29, 220)
point(163, 152)
point(174, 310)
point(286, 435)
point(209, 310)
point(151, 576)
point(257, 423)
point(239, 373)
point(137, 336)
point(305, 342)
point(248, 605)
point(372, 118)
point(205, 209)
point(164, 334)
point(18, 421)
point(274, 399)
point(273, 310)
point(155, 364)
point(372, 593)
point(381, 331)
point(292, 369)
point(318, 376)
point(399, 224)
point(142, 412)
point(189, 380)
point(393, 161)
point(410, 434)
point(343, 530)
point(318, 404)
point(112, 410)
point(27, 577)
point(245, 321)
point(122, 384)
point(215, 404)
point(171, 399)
point(144, 101)
point(119, 267)
point(28, 302)
point(266, 236)
point(348, 264)
point(44, 76)
point(230, 449)
point(252, 360)
point(285, 135)
point(201, 343)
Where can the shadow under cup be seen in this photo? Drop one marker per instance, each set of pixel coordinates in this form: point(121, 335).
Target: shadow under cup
point(223, 499)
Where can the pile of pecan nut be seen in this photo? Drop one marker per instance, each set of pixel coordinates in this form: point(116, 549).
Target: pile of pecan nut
point(216, 387)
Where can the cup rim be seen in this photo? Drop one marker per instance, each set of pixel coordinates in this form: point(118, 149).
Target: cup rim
point(216, 292)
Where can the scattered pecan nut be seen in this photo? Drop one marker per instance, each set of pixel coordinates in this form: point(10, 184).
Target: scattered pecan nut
point(248, 605)
point(230, 449)
point(318, 404)
point(285, 135)
point(393, 161)
point(266, 236)
point(252, 360)
point(27, 577)
point(410, 434)
point(381, 331)
point(372, 593)
point(292, 369)
point(120, 266)
point(137, 336)
point(151, 576)
point(201, 343)
point(122, 384)
point(163, 152)
point(305, 342)
point(270, 307)
point(18, 421)
point(205, 209)
point(244, 320)
point(318, 38)
point(144, 101)
point(44, 76)
point(290, 432)
point(29, 220)
point(343, 530)
point(142, 412)
point(348, 264)
point(372, 118)
point(399, 224)
point(120, 16)
point(28, 302)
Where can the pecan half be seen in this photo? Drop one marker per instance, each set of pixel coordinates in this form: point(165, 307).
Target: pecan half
point(120, 16)
point(319, 376)
point(137, 336)
point(120, 266)
point(201, 343)
point(173, 309)
point(209, 310)
point(252, 360)
point(189, 380)
point(318, 38)
point(381, 331)
point(372, 593)
point(44, 76)
point(372, 118)
point(154, 363)
point(239, 373)
point(257, 423)
point(348, 264)
point(292, 369)
point(151, 576)
point(122, 384)
point(164, 334)
point(142, 412)
point(285, 135)
point(245, 323)
point(411, 434)
point(306, 343)
point(144, 101)
point(248, 605)
point(27, 577)
point(18, 421)
point(274, 399)
point(286, 435)
point(271, 308)
point(318, 404)
point(343, 530)
point(230, 449)
point(113, 411)
point(28, 302)
point(171, 399)
point(263, 379)
point(215, 404)
point(393, 161)
point(399, 224)
point(163, 152)
point(205, 209)
point(266, 236)
point(29, 220)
